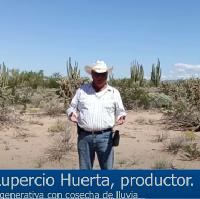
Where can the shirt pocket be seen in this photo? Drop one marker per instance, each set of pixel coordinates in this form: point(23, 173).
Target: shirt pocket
point(109, 106)
point(84, 104)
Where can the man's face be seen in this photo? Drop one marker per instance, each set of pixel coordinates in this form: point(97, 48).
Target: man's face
point(99, 79)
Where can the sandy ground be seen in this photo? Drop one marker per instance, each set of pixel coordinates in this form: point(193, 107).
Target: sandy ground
point(143, 143)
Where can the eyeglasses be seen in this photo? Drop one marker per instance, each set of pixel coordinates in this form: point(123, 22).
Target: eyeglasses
point(99, 74)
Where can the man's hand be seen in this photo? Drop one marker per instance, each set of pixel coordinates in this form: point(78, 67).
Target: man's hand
point(121, 120)
point(73, 118)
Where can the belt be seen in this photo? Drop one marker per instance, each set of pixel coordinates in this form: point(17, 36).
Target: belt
point(94, 132)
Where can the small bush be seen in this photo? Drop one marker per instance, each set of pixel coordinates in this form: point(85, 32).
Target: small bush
point(54, 107)
point(36, 99)
point(8, 117)
point(162, 164)
point(191, 151)
point(61, 146)
point(134, 98)
point(175, 144)
point(190, 135)
point(59, 126)
point(161, 137)
point(160, 100)
point(185, 113)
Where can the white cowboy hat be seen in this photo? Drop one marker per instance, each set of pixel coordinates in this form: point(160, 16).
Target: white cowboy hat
point(98, 67)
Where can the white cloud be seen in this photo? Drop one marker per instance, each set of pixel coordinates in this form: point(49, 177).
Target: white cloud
point(187, 67)
point(164, 77)
point(171, 72)
point(183, 71)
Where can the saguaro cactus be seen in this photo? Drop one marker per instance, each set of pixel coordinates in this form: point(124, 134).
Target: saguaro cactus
point(69, 84)
point(4, 74)
point(156, 74)
point(5, 95)
point(72, 71)
point(137, 73)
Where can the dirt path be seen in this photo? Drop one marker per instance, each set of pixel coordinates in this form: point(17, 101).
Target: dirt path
point(142, 145)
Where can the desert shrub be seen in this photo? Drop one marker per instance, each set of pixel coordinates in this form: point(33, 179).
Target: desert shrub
point(61, 145)
point(161, 137)
point(7, 114)
point(190, 135)
point(8, 117)
point(69, 84)
point(41, 96)
point(185, 112)
point(23, 96)
point(185, 144)
point(54, 107)
point(47, 101)
point(22, 133)
point(122, 162)
point(4, 115)
point(52, 81)
point(26, 79)
point(127, 163)
point(6, 97)
point(135, 98)
point(160, 100)
point(175, 144)
point(68, 88)
point(59, 126)
point(167, 87)
point(132, 94)
point(191, 151)
point(162, 164)
point(36, 99)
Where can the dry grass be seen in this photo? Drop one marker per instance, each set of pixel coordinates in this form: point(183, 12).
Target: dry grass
point(128, 163)
point(36, 122)
point(59, 126)
point(162, 164)
point(140, 120)
point(175, 144)
point(9, 117)
point(39, 162)
point(191, 151)
point(161, 137)
point(54, 108)
point(22, 133)
point(144, 121)
point(122, 162)
point(6, 147)
point(190, 135)
point(63, 144)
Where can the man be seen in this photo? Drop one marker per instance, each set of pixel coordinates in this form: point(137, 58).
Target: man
point(95, 108)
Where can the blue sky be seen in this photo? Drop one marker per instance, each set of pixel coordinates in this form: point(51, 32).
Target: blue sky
point(42, 34)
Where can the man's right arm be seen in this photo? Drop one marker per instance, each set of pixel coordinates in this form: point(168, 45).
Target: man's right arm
point(72, 110)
